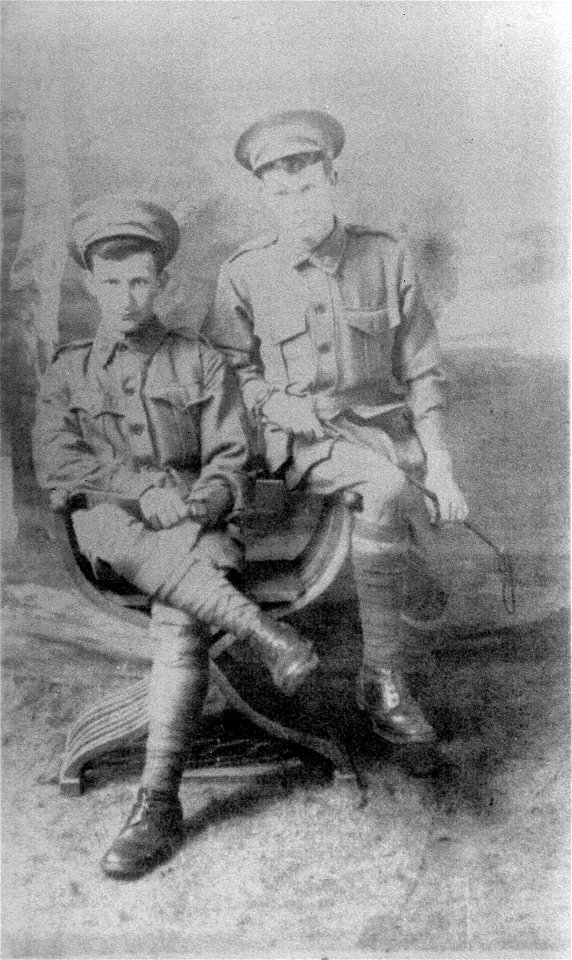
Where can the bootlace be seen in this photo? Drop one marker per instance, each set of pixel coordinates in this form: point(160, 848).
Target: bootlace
point(149, 801)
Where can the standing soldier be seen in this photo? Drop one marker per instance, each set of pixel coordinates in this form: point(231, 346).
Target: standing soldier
point(339, 364)
point(151, 423)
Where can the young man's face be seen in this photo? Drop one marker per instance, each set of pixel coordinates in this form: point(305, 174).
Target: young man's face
point(303, 203)
point(125, 291)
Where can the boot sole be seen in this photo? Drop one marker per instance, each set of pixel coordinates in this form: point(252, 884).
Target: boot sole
point(404, 741)
point(135, 872)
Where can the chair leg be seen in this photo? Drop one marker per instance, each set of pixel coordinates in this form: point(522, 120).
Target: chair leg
point(117, 721)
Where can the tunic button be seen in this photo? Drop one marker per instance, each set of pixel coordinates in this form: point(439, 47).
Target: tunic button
point(319, 308)
point(129, 391)
point(136, 428)
point(324, 348)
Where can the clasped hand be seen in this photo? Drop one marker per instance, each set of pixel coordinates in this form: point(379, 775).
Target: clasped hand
point(163, 507)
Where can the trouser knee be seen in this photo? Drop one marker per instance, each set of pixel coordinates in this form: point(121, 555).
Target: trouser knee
point(386, 523)
point(154, 561)
point(385, 503)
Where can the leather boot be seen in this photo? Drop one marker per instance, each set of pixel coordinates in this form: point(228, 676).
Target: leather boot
point(151, 835)
point(289, 658)
point(396, 716)
point(208, 595)
point(382, 692)
point(188, 581)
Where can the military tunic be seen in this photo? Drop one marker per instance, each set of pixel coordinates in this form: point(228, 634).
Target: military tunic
point(346, 325)
point(122, 420)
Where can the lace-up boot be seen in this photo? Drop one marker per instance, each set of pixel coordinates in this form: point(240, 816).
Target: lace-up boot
point(396, 716)
point(151, 835)
point(382, 692)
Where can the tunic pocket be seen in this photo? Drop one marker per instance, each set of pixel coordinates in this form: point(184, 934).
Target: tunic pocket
point(100, 417)
point(370, 322)
point(175, 412)
point(371, 341)
point(178, 397)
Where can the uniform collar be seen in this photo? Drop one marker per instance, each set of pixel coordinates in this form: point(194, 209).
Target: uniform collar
point(145, 342)
point(327, 256)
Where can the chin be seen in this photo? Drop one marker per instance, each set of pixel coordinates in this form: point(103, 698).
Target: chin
point(121, 327)
point(127, 326)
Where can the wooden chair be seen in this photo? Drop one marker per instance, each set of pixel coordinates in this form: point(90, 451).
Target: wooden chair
point(295, 548)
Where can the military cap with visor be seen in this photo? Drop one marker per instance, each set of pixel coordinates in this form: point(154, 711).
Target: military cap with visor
point(122, 215)
point(286, 134)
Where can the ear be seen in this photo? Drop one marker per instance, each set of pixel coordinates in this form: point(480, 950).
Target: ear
point(333, 178)
point(163, 279)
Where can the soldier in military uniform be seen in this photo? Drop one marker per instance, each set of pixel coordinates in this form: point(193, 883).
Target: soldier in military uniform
point(152, 423)
point(339, 365)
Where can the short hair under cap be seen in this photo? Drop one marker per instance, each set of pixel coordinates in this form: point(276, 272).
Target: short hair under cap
point(288, 133)
point(121, 215)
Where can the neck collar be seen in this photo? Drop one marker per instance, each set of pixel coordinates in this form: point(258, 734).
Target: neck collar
point(145, 341)
point(328, 254)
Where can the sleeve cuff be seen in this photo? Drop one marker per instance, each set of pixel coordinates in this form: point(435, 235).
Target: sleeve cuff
point(255, 394)
point(210, 506)
point(139, 483)
point(431, 432)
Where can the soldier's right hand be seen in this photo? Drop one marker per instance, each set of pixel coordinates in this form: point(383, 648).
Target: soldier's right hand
point(162, 507)
point(294, 414)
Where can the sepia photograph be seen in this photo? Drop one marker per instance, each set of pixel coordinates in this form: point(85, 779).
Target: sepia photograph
point(284, 437)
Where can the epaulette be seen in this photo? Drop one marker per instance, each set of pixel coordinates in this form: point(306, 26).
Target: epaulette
point(70, 345)
point(361, 231)
point(258, 244)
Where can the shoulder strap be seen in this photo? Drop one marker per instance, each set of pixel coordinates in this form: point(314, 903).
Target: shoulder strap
point(358, 230)
point(71, 345)
point(257, 244)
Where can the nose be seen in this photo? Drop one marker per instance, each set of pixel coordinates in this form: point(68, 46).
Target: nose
point(298, 203)
point(126, 298)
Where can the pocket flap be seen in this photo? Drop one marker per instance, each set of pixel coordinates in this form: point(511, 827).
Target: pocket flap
point(370, 322)
point(96, 404)
point(178, 396)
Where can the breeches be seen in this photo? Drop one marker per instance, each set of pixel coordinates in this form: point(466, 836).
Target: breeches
point(394, 510)
point(382, 485)
point(154, 560)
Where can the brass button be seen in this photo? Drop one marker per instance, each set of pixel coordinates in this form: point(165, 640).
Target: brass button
point(324, 348)
point(136, 428)
point(319, 308)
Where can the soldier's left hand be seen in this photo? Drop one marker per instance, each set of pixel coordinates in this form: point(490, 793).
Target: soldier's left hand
point(452, 504)
point(163, 507)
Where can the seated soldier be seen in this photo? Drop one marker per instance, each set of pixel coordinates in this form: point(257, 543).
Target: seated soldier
point(154, 421)
point(337, 357)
